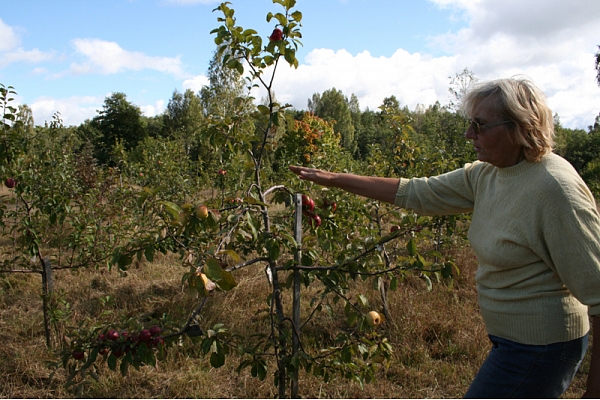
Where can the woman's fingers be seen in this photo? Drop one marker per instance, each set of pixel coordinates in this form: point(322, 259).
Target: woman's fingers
point(310, 174)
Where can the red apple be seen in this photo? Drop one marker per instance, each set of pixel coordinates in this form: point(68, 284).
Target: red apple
point(78, 354)
point(222, 172)
point(155, 330)
point(394, 228)
point(103, 351)
point(308, 203)
point(158, 341)
point(276, 35)
point(112, 335)
point(118, 352)
point(145, 335)
point(10, 183)
point(316, 220)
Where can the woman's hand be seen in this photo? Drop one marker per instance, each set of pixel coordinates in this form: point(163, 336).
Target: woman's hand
point(318, 176)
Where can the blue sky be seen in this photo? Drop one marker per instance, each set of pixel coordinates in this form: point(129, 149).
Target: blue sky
point(68, 55)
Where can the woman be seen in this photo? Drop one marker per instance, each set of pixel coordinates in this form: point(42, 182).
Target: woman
point(535, 231)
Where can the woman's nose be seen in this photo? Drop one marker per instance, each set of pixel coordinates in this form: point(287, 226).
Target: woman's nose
point(470, 132)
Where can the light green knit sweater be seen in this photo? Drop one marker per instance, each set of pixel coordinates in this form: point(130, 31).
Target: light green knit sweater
point(535, 231)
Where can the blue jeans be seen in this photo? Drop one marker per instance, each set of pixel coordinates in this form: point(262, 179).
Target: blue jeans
point(514, 370)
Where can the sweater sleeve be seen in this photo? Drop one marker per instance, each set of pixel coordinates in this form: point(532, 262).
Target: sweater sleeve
point(573, 242)
point(449, 193)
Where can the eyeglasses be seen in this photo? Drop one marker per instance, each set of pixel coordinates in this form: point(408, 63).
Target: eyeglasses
point(477, 127)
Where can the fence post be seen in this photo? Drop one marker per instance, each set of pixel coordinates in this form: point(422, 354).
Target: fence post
point(47, 288)
point(296, 299)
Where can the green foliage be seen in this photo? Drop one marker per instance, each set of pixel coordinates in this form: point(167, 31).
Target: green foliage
point(118, 121)
point(333, 107)
point(582, 150)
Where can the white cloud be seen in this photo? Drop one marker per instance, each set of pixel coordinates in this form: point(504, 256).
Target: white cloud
point(73, 110)
point(153, 110)
point(8, 37)
point(196, 83)
point(11, 52)
point(412, 78)
point(30, 56)
point(106, 57)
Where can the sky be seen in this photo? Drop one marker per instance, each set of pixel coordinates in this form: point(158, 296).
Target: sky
point(67, 56)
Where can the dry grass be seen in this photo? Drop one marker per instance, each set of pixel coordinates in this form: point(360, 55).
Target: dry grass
point(438, 337)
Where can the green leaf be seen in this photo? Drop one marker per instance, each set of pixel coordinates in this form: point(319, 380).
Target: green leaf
point(149, 253)
point(264, 110)
point(124, 365)
point(112, 361)
point(217, 360)
point(252, 200)
point(227, 281)
point(411, 246)
point(290, 57)
point(172, 208)
point(362, 299)
point(297, 16)
point(125, 261)
point(281, 18)
point(206, 345)
point(274, 249)
point(213, 270)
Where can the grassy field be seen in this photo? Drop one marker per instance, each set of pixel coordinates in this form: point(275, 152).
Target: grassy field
point(438, 337)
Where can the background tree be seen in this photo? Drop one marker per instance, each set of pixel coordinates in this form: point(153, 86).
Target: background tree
point(225, 85)
point(459, 84)
point(118, 121)
point(183, 118)
point(333, 106)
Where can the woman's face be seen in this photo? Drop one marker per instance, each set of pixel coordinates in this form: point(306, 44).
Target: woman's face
point(493, 144)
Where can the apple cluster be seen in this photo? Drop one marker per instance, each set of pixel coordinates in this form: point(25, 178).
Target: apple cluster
point(123, 342)
point(308, 209)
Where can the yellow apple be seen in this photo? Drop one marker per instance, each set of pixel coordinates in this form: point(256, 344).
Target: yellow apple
point(202, 211)
point(374, 318)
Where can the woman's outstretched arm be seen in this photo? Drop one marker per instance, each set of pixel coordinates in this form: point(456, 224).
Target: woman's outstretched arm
point(377, 188)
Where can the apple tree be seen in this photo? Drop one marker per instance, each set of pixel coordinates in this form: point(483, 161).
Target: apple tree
point(340, 243)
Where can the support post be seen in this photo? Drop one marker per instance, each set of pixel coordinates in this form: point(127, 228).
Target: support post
point(296, 299)
point(47, 288)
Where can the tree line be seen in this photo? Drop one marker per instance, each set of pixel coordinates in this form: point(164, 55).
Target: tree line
point(430, 141)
